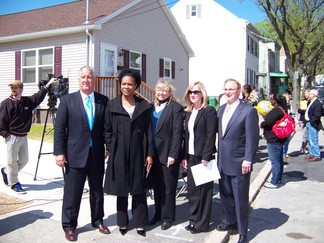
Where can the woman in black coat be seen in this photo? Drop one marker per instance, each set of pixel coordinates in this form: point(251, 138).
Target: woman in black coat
point(167, 129)
point(128, 140)
point(199, 147)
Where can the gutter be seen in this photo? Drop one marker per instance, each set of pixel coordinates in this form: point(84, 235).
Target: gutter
point(49, 33)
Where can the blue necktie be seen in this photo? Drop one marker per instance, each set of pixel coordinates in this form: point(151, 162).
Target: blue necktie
point(89, 111)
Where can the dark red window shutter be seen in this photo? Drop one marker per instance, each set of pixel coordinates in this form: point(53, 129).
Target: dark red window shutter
point(58, 61)
point(144, 68)
point(161, 74)
point(126, 59)
point(173, 70)
point(18, 65)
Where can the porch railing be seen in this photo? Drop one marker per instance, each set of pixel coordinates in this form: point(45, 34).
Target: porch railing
point(109, 86)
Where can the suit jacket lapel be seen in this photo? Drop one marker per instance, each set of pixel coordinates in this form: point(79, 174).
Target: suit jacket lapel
point(81, 106)
point(164, 115)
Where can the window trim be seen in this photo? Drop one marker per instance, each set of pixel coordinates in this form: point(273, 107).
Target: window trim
point(169, 60)
point(36, 66)
point(139, 63)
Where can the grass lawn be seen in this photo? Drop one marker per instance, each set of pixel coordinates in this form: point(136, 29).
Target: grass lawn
point(36, 133)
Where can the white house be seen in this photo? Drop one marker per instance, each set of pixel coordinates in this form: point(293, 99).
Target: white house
point(106, 34)
point(225, 46)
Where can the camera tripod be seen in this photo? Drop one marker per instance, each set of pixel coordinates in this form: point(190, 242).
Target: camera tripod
point(50, 111)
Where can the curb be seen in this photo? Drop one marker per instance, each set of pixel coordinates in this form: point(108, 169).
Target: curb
point(255, 188)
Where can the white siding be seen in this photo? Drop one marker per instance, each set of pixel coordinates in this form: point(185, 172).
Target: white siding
point(150, 33)
point(73, 57)
point(218, 39)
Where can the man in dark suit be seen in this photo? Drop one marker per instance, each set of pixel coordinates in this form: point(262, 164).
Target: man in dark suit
point(237, 146)
point(79, 148)
point(313, 115)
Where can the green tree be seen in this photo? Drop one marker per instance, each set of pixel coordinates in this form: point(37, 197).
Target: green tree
point(299, 27)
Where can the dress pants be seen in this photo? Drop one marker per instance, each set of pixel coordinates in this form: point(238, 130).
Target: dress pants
point(74, 180)
point(165, 187)
point(139, 211)
point(200, 198)
point(234, 195)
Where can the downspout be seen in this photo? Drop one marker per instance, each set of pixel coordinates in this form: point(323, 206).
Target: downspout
point(88, 35)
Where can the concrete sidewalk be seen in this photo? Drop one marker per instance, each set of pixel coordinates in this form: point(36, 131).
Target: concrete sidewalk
point(294, 212)
point(40, 221)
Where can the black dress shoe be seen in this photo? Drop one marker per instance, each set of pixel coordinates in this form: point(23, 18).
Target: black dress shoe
point(70, 235)
point(153, 221)
point(195, 231)
point(189, 227)
point(226, 226)
point(242, 239)
point(166, 225)
point(123, 231)
point(141, 232)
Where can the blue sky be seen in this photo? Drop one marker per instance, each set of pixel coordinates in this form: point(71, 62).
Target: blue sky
point(245, 9)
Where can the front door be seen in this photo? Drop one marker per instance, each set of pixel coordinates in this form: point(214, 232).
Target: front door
point(108, 60)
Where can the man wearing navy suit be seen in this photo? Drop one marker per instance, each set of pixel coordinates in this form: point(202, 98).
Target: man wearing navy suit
point(79, 148)
point(313, 115)
point(238, 140)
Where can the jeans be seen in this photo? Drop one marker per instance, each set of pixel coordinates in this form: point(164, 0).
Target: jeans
point(275, 152)
point(285, 147)
point(312, 136)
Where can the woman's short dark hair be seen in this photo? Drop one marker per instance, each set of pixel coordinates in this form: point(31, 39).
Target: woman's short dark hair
point(132, 73)
point(248, 88)
point(281, 100)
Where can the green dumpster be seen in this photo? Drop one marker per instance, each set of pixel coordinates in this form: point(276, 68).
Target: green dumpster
point(212, 101)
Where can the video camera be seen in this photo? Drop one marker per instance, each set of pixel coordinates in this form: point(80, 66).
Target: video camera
point(56, 90)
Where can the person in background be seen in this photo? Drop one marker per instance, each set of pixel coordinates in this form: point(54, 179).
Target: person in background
point(313, 115)
point(167, 129)
point(302, 123)
point(238, 139)
point(16, 114)
point(248, 96)
point(79, 149)
point(275, 144)
point(128, 138)
point(286, 156)
point(199, 147)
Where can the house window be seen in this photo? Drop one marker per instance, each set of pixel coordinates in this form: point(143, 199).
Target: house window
point(37, 64)
point(135, 60)
point(167, 68)
point(193, 11)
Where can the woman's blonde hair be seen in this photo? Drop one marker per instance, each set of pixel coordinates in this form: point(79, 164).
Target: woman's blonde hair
point(204, 98)
point(165, 83)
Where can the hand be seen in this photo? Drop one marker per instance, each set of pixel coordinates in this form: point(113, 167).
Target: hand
point(52, 80)
point(60, 160)
point(170, 162)
point(148, 163)
point(204, 162)
point(246, 167)
point(184, 164)
point(106, 154)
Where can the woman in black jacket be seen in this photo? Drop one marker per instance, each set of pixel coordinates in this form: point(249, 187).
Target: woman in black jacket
point(129, 143)
point(199, 147)
point(167, 129)
point(275, 144)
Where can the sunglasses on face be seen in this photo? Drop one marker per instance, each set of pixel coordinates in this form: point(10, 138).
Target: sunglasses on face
point(194, 92)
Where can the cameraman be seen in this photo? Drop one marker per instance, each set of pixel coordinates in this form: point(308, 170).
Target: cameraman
point(15, 122)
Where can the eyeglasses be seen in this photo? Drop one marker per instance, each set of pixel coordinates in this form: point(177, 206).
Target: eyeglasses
point(230, 90)
point(194, 92)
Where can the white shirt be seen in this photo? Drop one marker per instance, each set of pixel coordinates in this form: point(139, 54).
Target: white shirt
point(191, 124)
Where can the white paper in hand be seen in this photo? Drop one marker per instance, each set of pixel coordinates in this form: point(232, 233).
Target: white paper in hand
point(203, 174)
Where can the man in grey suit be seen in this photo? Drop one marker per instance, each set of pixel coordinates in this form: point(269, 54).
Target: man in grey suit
point(238, 140)
point(79, 148)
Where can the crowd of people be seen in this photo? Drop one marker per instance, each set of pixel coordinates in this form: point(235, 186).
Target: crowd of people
point(146, 144)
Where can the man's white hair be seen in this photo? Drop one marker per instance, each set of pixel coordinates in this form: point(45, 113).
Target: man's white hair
point(314, 92)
